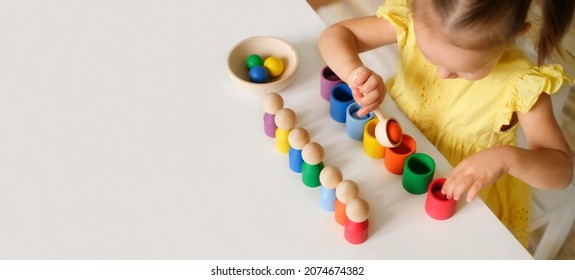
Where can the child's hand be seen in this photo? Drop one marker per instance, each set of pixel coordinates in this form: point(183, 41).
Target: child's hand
point(474, 173)
point(368, 89)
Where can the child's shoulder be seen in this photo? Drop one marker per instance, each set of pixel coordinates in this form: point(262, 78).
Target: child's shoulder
point(398, 13)
point(524, 81)
point(517, 61)
point(395, 7)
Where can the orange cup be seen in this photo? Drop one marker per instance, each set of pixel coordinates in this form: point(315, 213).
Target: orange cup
point(395, 157)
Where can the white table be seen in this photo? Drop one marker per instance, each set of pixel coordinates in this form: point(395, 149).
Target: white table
point(123, 137)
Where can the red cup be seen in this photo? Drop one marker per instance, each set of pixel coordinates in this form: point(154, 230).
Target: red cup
point(437, 205)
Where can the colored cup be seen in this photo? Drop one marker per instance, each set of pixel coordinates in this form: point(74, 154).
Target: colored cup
point(389, 134)
point(354, 124)
point(418, 173)
point(395, 157)
point(340, 98)
point(328, 81)
point(371, 146)
point(437, 205)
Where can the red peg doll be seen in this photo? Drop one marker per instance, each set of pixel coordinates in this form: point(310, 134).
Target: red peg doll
point(357, 222)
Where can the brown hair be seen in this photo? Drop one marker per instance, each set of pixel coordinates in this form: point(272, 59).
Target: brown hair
point(497, 22)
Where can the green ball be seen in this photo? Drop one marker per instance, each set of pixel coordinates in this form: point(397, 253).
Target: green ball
point(254, 60)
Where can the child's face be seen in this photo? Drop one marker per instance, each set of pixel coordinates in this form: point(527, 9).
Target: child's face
point(453, 61)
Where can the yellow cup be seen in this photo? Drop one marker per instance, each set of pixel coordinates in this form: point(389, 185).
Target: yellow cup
point(371, 146)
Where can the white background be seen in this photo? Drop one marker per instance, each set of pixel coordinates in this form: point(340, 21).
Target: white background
point(123, 137)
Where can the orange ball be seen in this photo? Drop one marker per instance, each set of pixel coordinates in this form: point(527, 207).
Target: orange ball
point(394, 131)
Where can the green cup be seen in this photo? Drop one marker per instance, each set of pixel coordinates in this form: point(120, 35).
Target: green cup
point(418, 173)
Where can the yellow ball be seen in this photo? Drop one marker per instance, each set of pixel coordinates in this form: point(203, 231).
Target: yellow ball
point(274, 65)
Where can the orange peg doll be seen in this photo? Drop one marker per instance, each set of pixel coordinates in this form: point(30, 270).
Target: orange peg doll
point(345, 191)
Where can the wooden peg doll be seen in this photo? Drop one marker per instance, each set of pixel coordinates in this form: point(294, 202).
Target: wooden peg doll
point(312, 154)
point(272, 103)
point(329, 177)
point(344, 192)
point(357, 222)
point(297, 138)
point(285, 120)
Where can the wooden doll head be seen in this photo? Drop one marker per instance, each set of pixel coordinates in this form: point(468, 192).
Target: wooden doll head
point(346, 190)
point(272, 103)
point(285, 118)
point(357, 210)
point(298, 137)
point(330, 176)
point(312, 153)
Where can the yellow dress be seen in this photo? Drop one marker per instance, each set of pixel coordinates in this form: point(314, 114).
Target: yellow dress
point(463, 117)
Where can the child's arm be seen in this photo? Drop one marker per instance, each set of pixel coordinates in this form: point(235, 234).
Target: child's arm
point(546, 164)
point(340, 45)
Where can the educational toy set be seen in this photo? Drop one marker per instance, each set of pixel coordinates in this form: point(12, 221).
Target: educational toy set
point(382, 137)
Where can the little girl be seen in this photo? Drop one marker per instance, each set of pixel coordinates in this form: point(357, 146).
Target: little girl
point(464, 83)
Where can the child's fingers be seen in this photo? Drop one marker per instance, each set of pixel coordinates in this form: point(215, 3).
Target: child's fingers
point(445, 188)
point(450, 182)
point(366, 109)
point(364, 101)
point(461, 186)
point(368, 98)
point(357, 94)
point(359, 77)
point(368, 89)
point(455, 184)
point(473, 191)
point(369, 85)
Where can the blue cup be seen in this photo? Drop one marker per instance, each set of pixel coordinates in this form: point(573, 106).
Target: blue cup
point(354, 124)
point(340, 98)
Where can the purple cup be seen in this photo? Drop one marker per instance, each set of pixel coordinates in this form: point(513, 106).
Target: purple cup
point(328, 81)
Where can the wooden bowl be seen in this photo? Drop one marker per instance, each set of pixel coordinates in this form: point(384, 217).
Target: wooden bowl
point(264, 46)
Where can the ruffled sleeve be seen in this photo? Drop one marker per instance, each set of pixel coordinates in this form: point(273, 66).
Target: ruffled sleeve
point(536, 80)
point(397, 12)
